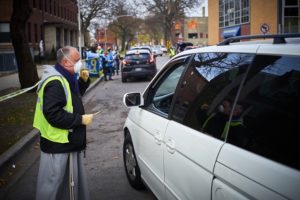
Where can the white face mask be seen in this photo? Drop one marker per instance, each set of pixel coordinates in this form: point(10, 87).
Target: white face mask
point(77, 67)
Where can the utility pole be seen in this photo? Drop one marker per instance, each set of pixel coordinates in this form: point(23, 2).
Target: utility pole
point(79, 27)
point(105, 33)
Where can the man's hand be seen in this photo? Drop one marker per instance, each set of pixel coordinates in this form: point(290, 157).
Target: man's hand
point(87, 119)
point(84, 74)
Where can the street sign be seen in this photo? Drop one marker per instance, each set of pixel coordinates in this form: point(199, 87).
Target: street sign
point(264, 28)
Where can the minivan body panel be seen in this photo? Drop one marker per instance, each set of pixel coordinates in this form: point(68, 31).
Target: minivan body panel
point(148, 148)
point(189, 166)
point(256, 176)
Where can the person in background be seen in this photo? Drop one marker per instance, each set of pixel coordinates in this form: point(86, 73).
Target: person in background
point(100, 50)
point(61, 121)
point(215, 122)
point(116, 62)
point(108, 65)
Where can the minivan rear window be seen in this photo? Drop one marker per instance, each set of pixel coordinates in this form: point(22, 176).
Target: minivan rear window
point(270, 100)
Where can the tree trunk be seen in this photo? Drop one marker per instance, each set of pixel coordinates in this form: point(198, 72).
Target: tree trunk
point(123, 39)
point(86, 35)
point(27, 70)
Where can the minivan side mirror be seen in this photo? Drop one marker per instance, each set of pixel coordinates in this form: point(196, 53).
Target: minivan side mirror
point(132, 99)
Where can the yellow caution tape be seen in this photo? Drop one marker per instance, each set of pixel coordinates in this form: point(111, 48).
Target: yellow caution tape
point(17, 93)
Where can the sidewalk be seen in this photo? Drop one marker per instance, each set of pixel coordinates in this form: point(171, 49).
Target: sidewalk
point(12, 80)
point(9, 80)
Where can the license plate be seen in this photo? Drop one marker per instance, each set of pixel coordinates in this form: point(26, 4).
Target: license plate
point(138, 69)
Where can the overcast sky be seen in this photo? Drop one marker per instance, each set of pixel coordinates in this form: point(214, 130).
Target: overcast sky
point(197, 12)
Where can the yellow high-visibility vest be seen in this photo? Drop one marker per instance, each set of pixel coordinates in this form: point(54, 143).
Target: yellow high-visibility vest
point(46, 129)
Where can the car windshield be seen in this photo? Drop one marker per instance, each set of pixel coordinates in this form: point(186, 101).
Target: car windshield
point(137, 56)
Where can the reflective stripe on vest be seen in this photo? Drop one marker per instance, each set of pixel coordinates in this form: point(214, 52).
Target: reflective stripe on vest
point(47, 131)
point(207, 120)
point(231, 124)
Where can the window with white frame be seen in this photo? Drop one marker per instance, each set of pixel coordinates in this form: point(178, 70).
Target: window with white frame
point(233, 12)
point(291, 11)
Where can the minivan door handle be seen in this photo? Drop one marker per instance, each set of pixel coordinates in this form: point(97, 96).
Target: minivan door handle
point(170, 145)
point(157, 138)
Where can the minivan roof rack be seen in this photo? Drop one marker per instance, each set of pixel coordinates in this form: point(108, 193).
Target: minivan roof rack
point(277, 38)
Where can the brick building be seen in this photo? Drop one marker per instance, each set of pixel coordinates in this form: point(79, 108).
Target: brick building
point(53, 21)
point(191, 29)
point(106, 38)
point(229, 18)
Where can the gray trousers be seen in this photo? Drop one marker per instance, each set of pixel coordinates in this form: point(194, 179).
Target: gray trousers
point(55, 180)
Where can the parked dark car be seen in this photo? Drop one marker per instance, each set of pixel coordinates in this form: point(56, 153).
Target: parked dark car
point(138, 63)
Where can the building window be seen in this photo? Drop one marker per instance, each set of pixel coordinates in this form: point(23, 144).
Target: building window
point(193, 35)
point(291, 16)
point(46, 6)
point(29, 32)
point(233, 12)
point(35, 33)
point(65, 37)
point(50, 6)
point(41, 32)
point(201, 35)
point(40, 5)
point(54, 7)
point(4, 32)
point(72, 38)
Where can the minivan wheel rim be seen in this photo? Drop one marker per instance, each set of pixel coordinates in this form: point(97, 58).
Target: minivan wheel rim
point(130, 162)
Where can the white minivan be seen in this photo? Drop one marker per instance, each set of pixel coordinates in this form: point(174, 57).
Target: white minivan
point(220, 122)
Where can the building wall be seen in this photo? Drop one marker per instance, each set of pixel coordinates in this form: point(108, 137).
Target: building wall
point(263, 12)
point(213, 22)
point(196, 25)
point(106, 37)
point(50, 34)
point(45, 13)
point(6, 10)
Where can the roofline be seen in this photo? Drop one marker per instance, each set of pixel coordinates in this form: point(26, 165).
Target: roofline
point(277, 38)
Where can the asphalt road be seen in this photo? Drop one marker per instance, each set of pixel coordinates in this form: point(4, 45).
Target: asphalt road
point(104, 161)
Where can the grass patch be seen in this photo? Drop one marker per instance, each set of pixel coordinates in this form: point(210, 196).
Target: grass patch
point(93, 79)
point(16, 117)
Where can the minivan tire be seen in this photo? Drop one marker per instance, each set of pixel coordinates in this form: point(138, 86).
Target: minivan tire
point(132, 169)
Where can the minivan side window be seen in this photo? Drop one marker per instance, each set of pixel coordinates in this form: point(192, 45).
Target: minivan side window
point(207, 91)
point(269, 109)
point(163, 91)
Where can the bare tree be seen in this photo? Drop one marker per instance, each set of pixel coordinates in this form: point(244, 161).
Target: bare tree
point(91, 9)
point(27, 70)
point(168, 11)
point(125, 24)
point(153, 28)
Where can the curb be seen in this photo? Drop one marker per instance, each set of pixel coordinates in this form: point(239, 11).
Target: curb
point(13, 150)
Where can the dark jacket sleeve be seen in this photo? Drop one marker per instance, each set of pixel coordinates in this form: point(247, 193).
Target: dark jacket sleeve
point(54, 100)
point(83, 86)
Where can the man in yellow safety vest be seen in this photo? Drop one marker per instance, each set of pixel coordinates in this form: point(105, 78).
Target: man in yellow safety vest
point(61, 120)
